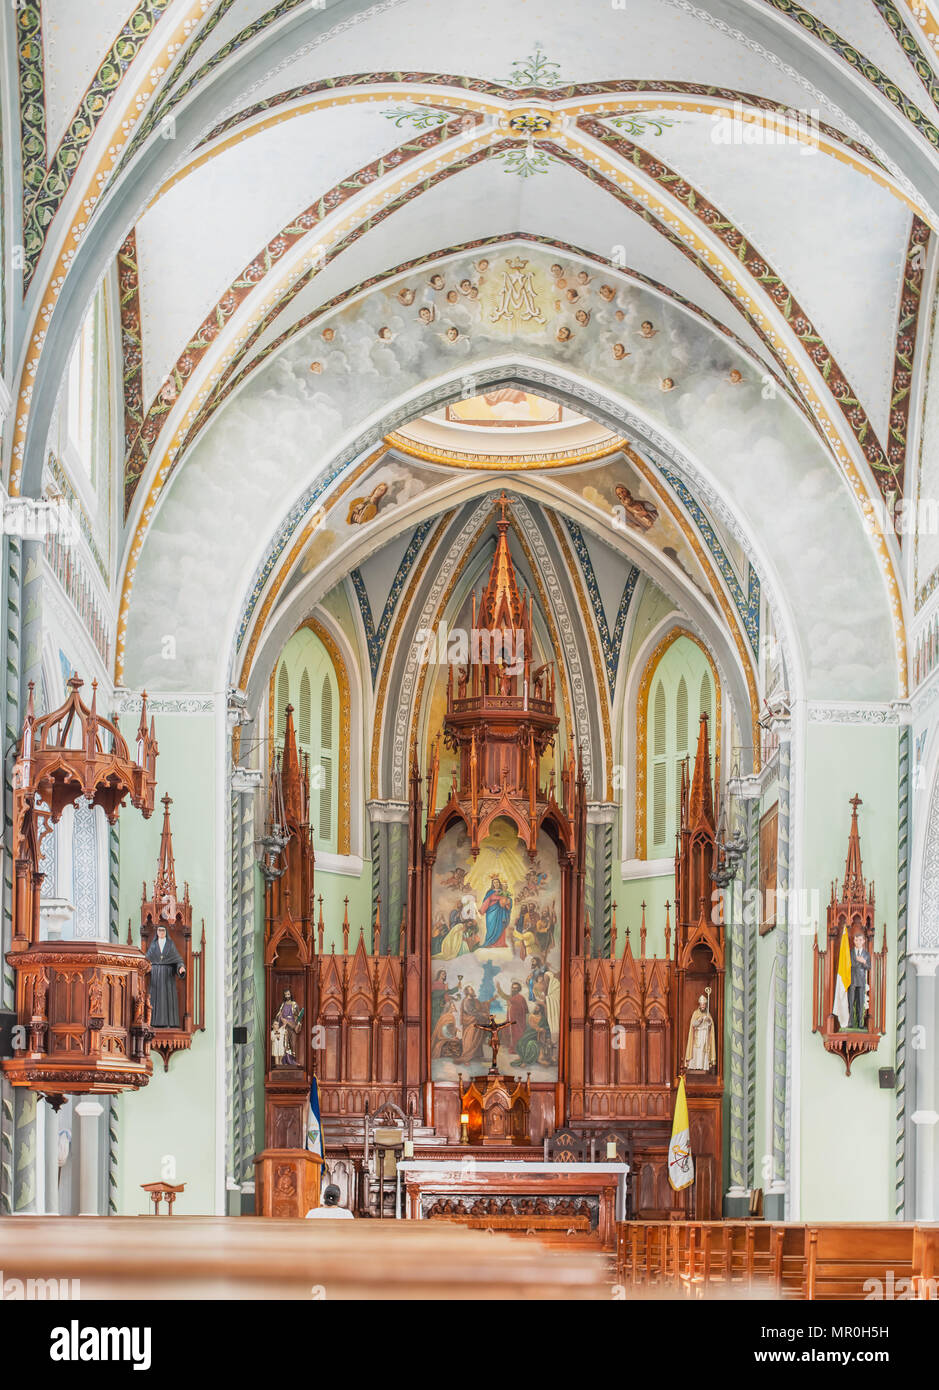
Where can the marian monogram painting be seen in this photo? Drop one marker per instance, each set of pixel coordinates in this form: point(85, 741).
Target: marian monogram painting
point(495, 948)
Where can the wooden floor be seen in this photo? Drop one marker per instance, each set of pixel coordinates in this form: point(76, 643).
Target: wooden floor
point(140, 1257)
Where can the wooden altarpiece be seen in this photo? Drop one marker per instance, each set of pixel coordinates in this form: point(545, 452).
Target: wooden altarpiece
point(166, 909)
point(625, 1016)
point(500, 721)
point(82, 1005)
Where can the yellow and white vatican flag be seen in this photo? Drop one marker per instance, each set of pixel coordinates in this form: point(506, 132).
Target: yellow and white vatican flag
point(843, 982)
point(680, 1162)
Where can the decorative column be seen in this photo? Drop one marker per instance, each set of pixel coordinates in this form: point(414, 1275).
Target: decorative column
point(242, 1140)
point(389, 843)
point(89, 1178)
point(51, 1157)
point(742, 921)
point(903, 882)
point(12, 560)
point(925, 1119)
point(780, 1001)
point(598, 869)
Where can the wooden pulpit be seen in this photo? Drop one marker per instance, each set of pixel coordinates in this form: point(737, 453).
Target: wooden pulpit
point(287, 1182)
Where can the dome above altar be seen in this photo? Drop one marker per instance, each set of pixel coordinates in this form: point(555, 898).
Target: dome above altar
point(505, 423)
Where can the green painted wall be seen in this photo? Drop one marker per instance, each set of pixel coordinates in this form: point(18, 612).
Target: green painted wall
point(847, 1123)
point(629, 896)
point(175, 1115)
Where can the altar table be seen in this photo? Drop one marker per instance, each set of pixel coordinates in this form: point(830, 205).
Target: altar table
point(601, 1185)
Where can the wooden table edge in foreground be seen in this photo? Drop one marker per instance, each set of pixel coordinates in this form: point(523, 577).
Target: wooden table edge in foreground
point(263, 1258)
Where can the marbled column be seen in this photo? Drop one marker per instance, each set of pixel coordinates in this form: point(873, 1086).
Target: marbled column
point(242, 1010)
point(389, 841)
point(24, 662)
point(740, 935)
point(598, 873)
point(113, 1102)
point(10, 644)
point(51, 1158)
point(780, 1001)
point(903, 877)
point(924, 1120)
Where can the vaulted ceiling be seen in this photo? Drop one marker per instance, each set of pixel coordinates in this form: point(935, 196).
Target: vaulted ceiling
point(756, 179)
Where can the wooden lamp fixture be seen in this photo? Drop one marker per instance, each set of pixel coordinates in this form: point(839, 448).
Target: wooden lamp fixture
point(81, 1006)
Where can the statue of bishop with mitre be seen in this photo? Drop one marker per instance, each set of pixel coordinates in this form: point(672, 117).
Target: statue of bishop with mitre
point(701, 1051)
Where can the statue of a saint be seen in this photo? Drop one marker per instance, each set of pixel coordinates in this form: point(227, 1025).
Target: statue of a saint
point(701, 1051)
point(285, 1030)
point(165, 964)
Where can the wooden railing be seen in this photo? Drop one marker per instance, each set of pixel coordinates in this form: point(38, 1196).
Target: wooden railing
point(782, 1260)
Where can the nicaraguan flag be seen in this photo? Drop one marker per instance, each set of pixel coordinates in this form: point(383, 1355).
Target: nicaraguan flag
point(843, 982)
point(680, 1162)
point(314, 1128)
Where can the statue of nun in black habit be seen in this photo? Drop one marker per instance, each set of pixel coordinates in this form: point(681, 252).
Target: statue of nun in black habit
point(165, 964)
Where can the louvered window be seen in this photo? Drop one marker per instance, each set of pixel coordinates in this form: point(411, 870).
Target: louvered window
point(283, 700)
point(304, 708)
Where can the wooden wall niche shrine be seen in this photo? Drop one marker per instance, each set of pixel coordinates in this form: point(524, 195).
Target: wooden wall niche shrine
point(854, 1024)
point(177, 972)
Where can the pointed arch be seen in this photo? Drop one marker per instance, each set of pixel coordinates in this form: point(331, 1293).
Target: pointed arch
point(643, 730)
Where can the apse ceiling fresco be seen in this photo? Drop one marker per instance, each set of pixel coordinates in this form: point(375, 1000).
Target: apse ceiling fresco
point(631, 254)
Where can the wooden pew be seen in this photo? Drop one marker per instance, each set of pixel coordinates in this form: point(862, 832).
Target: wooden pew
point(841, 1259)
point(787, 1260)
point(926, 1262)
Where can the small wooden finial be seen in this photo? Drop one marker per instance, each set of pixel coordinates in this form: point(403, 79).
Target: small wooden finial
point(668, 929)
point(642, 931)
point(613, 933)
point(345, 928)
point(321, 925)
point(376, 929)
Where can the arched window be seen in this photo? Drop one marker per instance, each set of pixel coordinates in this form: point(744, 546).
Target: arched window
point(306, 669)
point(680, 688)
